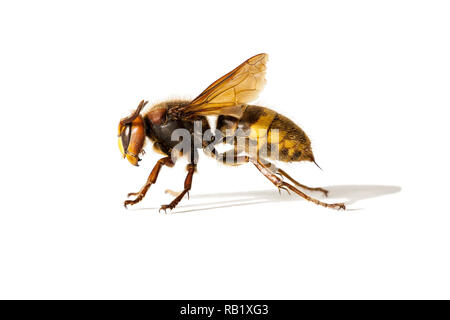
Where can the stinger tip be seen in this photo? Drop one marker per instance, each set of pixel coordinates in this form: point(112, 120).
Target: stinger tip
point(317, 165)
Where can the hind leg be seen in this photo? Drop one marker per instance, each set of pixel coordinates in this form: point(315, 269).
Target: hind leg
point(284, 174)
point(269, 174)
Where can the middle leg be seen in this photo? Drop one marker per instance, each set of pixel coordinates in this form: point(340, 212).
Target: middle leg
point(187, 187)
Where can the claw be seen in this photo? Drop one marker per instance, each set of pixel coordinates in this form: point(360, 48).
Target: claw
point(281, 176)
point(165, 207)
point(339, 206)
point(132, 194)
point(283, 188)
point(324, 191)
point(129, 202)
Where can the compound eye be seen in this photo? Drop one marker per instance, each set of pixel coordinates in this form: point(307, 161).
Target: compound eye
point(126, 137)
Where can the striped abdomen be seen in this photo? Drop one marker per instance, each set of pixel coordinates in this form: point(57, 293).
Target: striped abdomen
point(273, 135)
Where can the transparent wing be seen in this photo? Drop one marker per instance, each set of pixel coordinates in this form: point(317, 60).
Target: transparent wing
point(227, 95)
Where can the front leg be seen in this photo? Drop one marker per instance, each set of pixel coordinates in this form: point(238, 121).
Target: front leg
point(167, 161)
point(187, 186)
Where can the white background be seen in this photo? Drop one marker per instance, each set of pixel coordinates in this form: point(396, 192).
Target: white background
point(367, 80)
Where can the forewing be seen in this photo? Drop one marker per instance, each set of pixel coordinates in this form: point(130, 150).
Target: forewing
point(227, 95)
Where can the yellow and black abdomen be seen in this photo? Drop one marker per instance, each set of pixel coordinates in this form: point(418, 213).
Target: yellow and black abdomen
point(269, 135)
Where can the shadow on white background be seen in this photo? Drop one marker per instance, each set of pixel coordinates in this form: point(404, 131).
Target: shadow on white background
point(351, 194)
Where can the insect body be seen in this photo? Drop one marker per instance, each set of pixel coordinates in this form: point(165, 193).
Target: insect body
point(256, 134)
